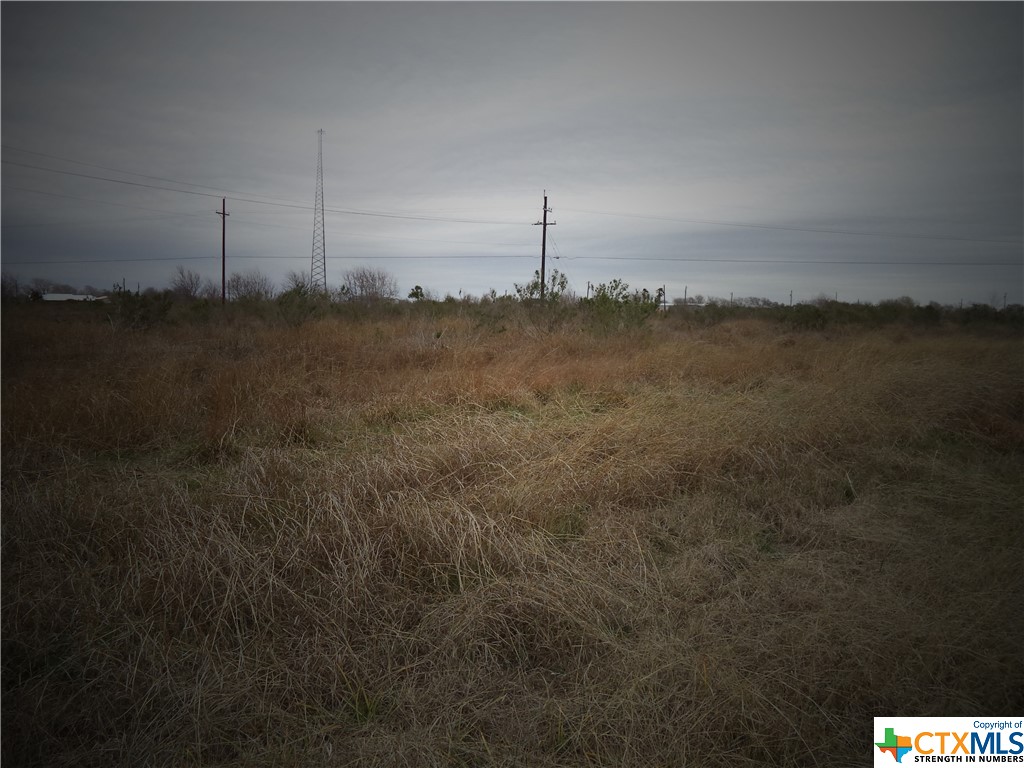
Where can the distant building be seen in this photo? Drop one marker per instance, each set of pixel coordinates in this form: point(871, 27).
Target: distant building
point(72, 297)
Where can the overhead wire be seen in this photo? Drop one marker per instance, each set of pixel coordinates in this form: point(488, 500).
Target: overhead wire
point(423, 217)
point(799, 261)
point(220, 190)
point(97, 200)
point(714, 222)
point(112, 261)
point(440, 219)
point(554, 245)
point(299, 206)
point(121, 170)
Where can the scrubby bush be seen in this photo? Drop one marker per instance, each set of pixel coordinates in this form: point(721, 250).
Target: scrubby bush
point(556, 285)
point(301, 303)
point(613, 306)
point(139, 311)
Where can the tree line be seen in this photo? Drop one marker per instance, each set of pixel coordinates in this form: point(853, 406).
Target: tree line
point(611, 304)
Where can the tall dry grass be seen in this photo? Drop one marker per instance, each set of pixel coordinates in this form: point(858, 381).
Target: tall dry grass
point(450, 541)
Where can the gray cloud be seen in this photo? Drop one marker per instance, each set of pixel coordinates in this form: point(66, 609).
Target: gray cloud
point(875, 117)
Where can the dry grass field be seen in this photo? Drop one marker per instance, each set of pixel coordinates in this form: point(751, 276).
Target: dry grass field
point(456, 540)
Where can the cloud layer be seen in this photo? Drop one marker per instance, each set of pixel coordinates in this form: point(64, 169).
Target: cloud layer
point(880, 118)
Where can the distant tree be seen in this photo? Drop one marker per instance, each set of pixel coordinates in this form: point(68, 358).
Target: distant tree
point(646, 297)
point(903, 302)
point(186, 283)
point(613, 304)
point(10, 286)
point(41, 285)
point(45, 285)
point(555, 285)
point(614, 292)
point(249, 286)
point(416, 294)
point(300, 300)
point(366, 284)
point(209, 290)
point(298, 282)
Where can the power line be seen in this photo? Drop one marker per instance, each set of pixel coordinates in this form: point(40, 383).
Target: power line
point(417, 217)
point(107, 223)
point(570, 258)
point(801, 261)
point(554, 245)
point(344, 211)
point(475, 257)
point(103, 202)
point(796, 229)
point(219, 190)
point(111, 261)
point(104, 178)
point(242, 220)
point(120, 170)
point(442, 219)
point(271, 258)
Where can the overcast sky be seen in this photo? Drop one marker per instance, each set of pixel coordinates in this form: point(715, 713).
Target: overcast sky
point(872, 150)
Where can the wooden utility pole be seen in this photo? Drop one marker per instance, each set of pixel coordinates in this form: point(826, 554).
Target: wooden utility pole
point(544, 224)
point(223, 213)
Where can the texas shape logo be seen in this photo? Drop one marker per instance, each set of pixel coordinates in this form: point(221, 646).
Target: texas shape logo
point(898, 746)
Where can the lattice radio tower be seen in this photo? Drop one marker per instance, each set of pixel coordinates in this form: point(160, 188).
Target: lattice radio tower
point(318, 266)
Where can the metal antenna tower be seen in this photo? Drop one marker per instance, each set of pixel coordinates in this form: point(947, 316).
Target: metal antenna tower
point(318, 266)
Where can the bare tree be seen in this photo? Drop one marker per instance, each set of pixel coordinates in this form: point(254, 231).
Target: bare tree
point(299, 282)
point(366, 284)
point(209, 290)
point(249, 286)
point(186, 283)
point(10, 286)
point(41, 285)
